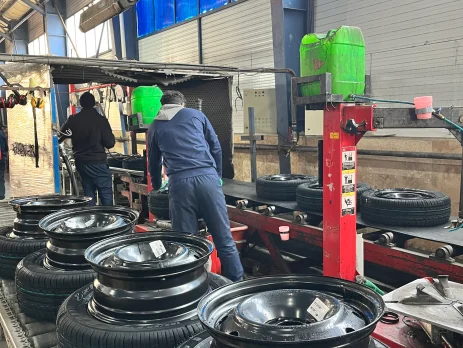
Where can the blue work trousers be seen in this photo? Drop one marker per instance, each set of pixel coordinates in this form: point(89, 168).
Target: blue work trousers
point(202, 197)
point(96, 177)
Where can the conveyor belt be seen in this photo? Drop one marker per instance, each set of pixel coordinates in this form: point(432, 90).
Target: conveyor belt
point(246, 190)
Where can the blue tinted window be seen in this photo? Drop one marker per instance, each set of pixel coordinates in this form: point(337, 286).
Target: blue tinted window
point(163, 14)
point(208, 5)
point(185, 9)
point(145, 17)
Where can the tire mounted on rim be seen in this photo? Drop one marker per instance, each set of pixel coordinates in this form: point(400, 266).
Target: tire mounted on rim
point(45, 278)
point(146, 293)
point(158, 203)
point(281, 187)
point(406, 207)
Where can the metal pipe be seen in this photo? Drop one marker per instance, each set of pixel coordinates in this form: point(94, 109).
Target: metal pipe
point(460, 205)
point(380, 153)
point(252, 144)
point(122, 33)
point(63, 23)
point(34, 6)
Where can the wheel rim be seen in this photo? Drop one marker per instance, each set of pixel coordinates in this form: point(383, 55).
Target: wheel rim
point(29, 211)
point(287, 177)
point(72, 231)
point(404, 194)
point(136, 286)
point(256, 313)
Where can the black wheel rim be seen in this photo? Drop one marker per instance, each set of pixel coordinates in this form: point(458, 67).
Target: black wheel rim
point(404, 194)
point(29, 211)
point(136, 286)
point(287, 177)
point(256, 313)
point(72, 231)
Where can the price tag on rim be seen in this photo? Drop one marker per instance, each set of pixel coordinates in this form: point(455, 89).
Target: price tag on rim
point(158, 248)
point(318, 309)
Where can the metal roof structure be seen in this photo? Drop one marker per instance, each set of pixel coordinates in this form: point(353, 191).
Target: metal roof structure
point(13, 13)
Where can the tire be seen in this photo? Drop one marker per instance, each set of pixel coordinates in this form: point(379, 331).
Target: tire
point(13, 250)
point(309, 197)
point(281, 187)
point(41, 291)
point(158, 203)
point(134, 163)
point(115, 160)
point(76, 328)
point(405, 207)
point(201, 340)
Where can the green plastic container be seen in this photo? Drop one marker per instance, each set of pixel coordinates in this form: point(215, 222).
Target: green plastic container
point(147, 100)
point(341, 52)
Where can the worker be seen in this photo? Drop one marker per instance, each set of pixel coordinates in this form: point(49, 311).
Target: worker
point(91, 134)
point(184, 140)
point(3, 154)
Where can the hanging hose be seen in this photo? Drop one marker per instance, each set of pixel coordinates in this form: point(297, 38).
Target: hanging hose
point(67, 163)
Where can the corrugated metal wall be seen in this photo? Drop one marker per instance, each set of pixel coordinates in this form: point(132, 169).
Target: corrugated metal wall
point(413, 47)
point(237, 36)
point(74, 6)
point(35, 25)
point(241, 36)
point(176, 45)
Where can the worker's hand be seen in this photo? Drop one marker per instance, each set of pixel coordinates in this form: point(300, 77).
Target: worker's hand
point(166, 182)
point(221, 182)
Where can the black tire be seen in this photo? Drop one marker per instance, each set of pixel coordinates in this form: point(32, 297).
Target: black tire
point(76, 328)
point(134, 163)
point(406, 207)
point(200, 340)
point(281, 187)
point(309, 197)
point(13, 250)
point(158, 203)
point(42, 291)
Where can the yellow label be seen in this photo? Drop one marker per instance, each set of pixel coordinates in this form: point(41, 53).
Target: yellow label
point(348, 194)
point(348, 171)
point(334, 135)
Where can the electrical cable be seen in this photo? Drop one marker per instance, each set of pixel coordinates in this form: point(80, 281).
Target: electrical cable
point(359, 97)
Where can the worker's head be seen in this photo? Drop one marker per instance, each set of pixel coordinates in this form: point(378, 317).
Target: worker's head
point(87, 100)
point(173, 97)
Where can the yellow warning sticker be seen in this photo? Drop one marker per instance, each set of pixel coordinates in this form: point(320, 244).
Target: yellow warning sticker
point(334, 135)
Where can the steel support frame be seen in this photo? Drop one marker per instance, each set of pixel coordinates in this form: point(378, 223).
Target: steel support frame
point(399, 259)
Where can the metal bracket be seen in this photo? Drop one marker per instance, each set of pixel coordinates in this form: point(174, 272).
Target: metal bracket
point(386, 239)
point(325, 96)
point(136, 123)
point(443, 254)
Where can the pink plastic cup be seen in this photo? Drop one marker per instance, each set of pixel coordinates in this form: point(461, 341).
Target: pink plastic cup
point(423, 107)
point(284, 232)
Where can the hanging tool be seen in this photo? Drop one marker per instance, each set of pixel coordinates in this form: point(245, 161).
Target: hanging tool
point(36, 139)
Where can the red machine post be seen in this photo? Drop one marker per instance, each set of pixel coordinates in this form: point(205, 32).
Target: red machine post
point(343, 127)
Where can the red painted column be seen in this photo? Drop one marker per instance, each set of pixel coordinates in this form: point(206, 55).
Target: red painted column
point(72, 89)
point(339, 195)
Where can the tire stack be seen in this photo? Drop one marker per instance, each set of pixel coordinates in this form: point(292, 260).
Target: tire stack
point(158, 203)
point(46, 277)
point(309, 196)
point(146, 293)
point(406, 207)
point(26, 237)
point(135, 162)
point(281, 187)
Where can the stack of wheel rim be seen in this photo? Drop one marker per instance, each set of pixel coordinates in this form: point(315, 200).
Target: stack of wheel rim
point(146, 293)
point(46, 277)
point(281, 187)
point(25, 236)
point(289, 311)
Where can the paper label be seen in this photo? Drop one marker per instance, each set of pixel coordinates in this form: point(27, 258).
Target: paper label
point(158, 248)
point(348, 160)
point(318, 309)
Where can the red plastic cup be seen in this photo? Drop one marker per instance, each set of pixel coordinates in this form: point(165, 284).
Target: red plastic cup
point(284, 232)
point(423, 104)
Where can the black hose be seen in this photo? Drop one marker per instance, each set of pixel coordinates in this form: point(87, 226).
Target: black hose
point(67, 163)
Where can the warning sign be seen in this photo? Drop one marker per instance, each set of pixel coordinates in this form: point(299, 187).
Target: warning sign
point(348, 204)
point(348, 160)
point(348, 182)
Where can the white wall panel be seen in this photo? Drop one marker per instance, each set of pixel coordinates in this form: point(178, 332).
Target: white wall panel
point(176, 45)
point(241, 36)
point(413, 47)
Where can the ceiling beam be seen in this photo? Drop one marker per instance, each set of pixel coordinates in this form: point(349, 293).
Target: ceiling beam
point(6, 36)
point(34, 7)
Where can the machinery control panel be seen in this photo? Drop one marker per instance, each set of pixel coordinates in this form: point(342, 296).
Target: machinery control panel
point(265, 110)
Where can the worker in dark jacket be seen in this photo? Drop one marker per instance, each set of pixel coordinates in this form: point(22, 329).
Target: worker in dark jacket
point(190, 150)
point(91, 135)
point(3, 152)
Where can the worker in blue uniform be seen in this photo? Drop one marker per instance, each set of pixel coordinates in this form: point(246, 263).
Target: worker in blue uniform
point(184, 140)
